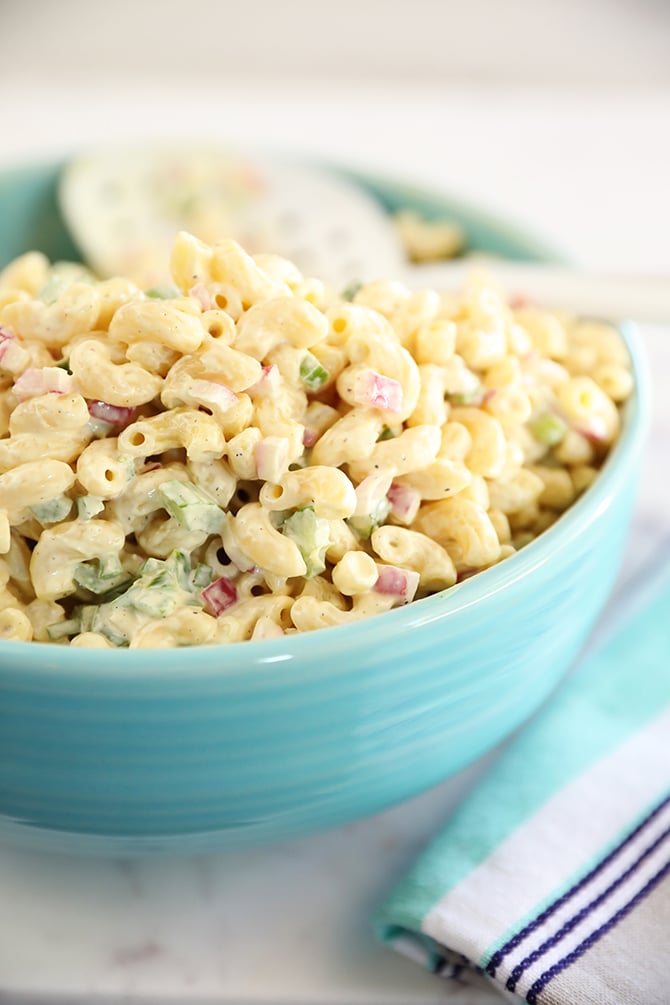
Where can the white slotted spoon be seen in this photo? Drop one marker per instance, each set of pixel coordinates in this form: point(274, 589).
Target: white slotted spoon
point(123, 207)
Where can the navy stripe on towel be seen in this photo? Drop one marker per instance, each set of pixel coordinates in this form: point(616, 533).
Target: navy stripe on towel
point(595, 936)
point(517, 939)
point(572, 922)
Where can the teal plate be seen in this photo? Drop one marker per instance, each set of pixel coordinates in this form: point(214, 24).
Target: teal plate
point(134, 752)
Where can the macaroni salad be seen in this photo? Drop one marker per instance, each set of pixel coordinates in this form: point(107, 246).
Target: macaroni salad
point(244, 455)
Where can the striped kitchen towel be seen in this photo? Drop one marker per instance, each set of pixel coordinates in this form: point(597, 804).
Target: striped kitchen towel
point(553, 877)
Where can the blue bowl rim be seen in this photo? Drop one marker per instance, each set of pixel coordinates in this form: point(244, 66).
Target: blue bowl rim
point(237, 660)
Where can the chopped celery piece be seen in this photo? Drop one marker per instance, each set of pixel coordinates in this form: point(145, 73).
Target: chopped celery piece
point(191, 506)
point(63, 629)
point(52, 511)
point(312, 373)
point(548, 428)
point(312, 535)
point(128, 463)
point(363, 526)
point(160, 587)
point(175, 569)
point(51, 290)
point(89, 506)
point(99, 619)
point(168, 579)
point(163, 291)
point(157, 599)
point(60, 276)
point(101, 575)
point(202, 576)
point(157, 564)
point(472, 397)
point(178, 564)
point(279, 516)
point(86, 614)
point(99, 429)
point(351, 289)
point(387, 434)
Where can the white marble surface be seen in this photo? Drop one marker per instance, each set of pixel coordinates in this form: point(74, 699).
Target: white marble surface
point(285, 925)
point(291, 924)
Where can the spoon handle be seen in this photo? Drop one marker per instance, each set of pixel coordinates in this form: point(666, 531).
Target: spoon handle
point(636, 297)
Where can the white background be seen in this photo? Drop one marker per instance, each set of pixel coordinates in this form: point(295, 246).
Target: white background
point(553, 112)
point(583, 42)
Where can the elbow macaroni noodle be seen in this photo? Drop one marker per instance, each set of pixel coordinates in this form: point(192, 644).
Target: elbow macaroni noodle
point(249, 455)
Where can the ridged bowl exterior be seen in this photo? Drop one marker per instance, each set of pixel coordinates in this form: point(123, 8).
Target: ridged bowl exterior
point(129, 752)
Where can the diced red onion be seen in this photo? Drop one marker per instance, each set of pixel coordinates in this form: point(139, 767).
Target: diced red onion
point(13, 357)
point(372, 388)
point(6, 338)
point(371, 491)
point(268, 384)
point(116, 416)
point(595, 431)
point(201, 293)
point(396, 582)
point(219, 595)
point(271, 456)
point(309, 437)
point(43, 380)
point(208, 392)
point(405, 501)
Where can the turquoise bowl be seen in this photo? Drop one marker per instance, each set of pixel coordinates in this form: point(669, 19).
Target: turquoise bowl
point(129, 752)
